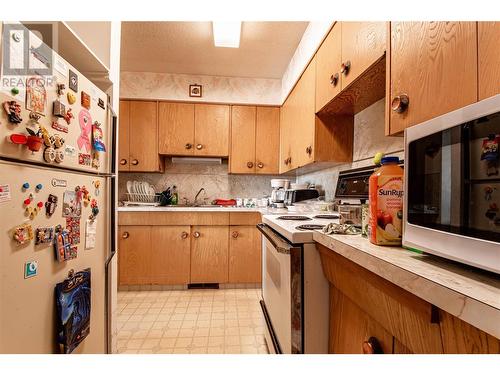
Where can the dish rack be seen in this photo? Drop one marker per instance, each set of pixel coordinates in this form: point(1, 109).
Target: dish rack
point(142, 199)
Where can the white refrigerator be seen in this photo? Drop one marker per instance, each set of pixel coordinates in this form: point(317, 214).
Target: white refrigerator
point(57, 207)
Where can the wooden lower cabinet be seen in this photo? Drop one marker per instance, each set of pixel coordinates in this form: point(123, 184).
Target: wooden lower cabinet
point(170, 255)
point(134, 255)
point(209, 254)
point(245, 265)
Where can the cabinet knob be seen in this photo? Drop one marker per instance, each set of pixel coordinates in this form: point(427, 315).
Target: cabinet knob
point(249, 164)
point(135, 162)
point(260, 165)
point(199, 146)
point(334, 79)
point(235, 234)
point(372, 346)
point(123, 161)
point(184, 235)
point(286, 161)
point(188, 146)
point(125, 235)
point(196, 234)
point(309, 150)
point(345, 67)
point(400, 103)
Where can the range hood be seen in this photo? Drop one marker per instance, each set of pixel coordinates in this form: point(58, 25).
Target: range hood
point(195, 160)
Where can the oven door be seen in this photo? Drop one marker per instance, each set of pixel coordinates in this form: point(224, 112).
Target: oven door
point(282, 285)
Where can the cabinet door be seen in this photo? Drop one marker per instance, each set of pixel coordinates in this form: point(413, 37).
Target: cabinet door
point(328, 61)
point(242, 157)
point(489, 59)
point(351, 328)
point(171, 259)
point(211, 130)
point(143, 136)
point(267, 140)
point(435, 65)
point(134, 255)
point(285, 136)
point(363, 43)
point(209, 254)
point(303, 120)
point(245, 254)
point(175, 128)
point(123, 136)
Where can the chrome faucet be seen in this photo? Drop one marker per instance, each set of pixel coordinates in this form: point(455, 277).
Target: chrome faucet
point(197, 194)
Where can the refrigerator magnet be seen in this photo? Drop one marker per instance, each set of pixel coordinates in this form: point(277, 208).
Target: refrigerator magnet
point(84, 159)
point(50, 205)
point(13, 111)
point(5, 193)
point(73, 81)
point(85, 100)
point(97, 135)
point(44, 235)
point(36, 95)
point(72, 205)
point(90, 234)
point(30, 269)
point(58, 109)
point(23, 234)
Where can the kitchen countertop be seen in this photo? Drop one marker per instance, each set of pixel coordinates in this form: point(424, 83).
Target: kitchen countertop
point(262, 210)
point(470, 294)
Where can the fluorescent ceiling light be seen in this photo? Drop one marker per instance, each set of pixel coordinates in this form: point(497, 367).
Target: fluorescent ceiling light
point(227, 34)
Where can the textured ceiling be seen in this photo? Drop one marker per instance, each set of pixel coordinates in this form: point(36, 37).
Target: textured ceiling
point(187, 47)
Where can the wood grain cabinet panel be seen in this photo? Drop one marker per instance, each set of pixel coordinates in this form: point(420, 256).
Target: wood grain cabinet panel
point(363, 43)
point(351, 327)
point(488, 59)
point(267, 140)
point(209, 254)
point(285, 135)
point(211, 136)
point(143, 137)
point(175, 128)
point(244, 254)
point(170, 255)
point(435, 65)
point(124, 136)
point(243, 122)
point(134, 255)
point(328, 61)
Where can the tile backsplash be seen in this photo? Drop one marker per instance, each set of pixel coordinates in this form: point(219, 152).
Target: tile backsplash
point(189, 178)
point(369, 138)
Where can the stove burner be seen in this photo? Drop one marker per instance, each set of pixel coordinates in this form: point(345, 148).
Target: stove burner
point(327, 216)
point(294, 218)
point(310, 227)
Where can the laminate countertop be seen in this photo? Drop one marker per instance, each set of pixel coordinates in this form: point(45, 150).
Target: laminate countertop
point(262, 210)
point(465, 292)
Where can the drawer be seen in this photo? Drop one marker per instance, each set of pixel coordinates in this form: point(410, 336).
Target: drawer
point(173, 218)
point(244, 218)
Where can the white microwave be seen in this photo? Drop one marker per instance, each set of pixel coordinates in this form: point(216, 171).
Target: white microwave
point(452, 183)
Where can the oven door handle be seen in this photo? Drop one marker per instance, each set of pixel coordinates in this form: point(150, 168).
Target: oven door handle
point(278, 243)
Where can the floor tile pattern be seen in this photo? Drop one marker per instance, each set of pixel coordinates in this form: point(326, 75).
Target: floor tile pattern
point(224, 321)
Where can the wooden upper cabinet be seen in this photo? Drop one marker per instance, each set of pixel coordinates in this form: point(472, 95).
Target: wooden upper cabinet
point(143, 135)
point(285, 136)
point(488, 59)
point(123, 136)
point(245, 249)
point(363, 43)
point(267, 140)
point(243, 122)
point(170, 248)
point(175, 128)
point(209, 254)
point(211, 130)
point(434, 65)
point(328, 61)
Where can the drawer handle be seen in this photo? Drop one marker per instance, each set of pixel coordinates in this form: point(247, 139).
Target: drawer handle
point(249, 164)
point(334, 79)
point(309, 150)
point(135, 162)
point(260, 165)
point(400, 103)
point(188, 146)
point(199, 146)
point(235, 234)
point(125, 235)
point(123, 161)
point(372, 346)
point(196, 234)
point(345, 67)
point(184, 235)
